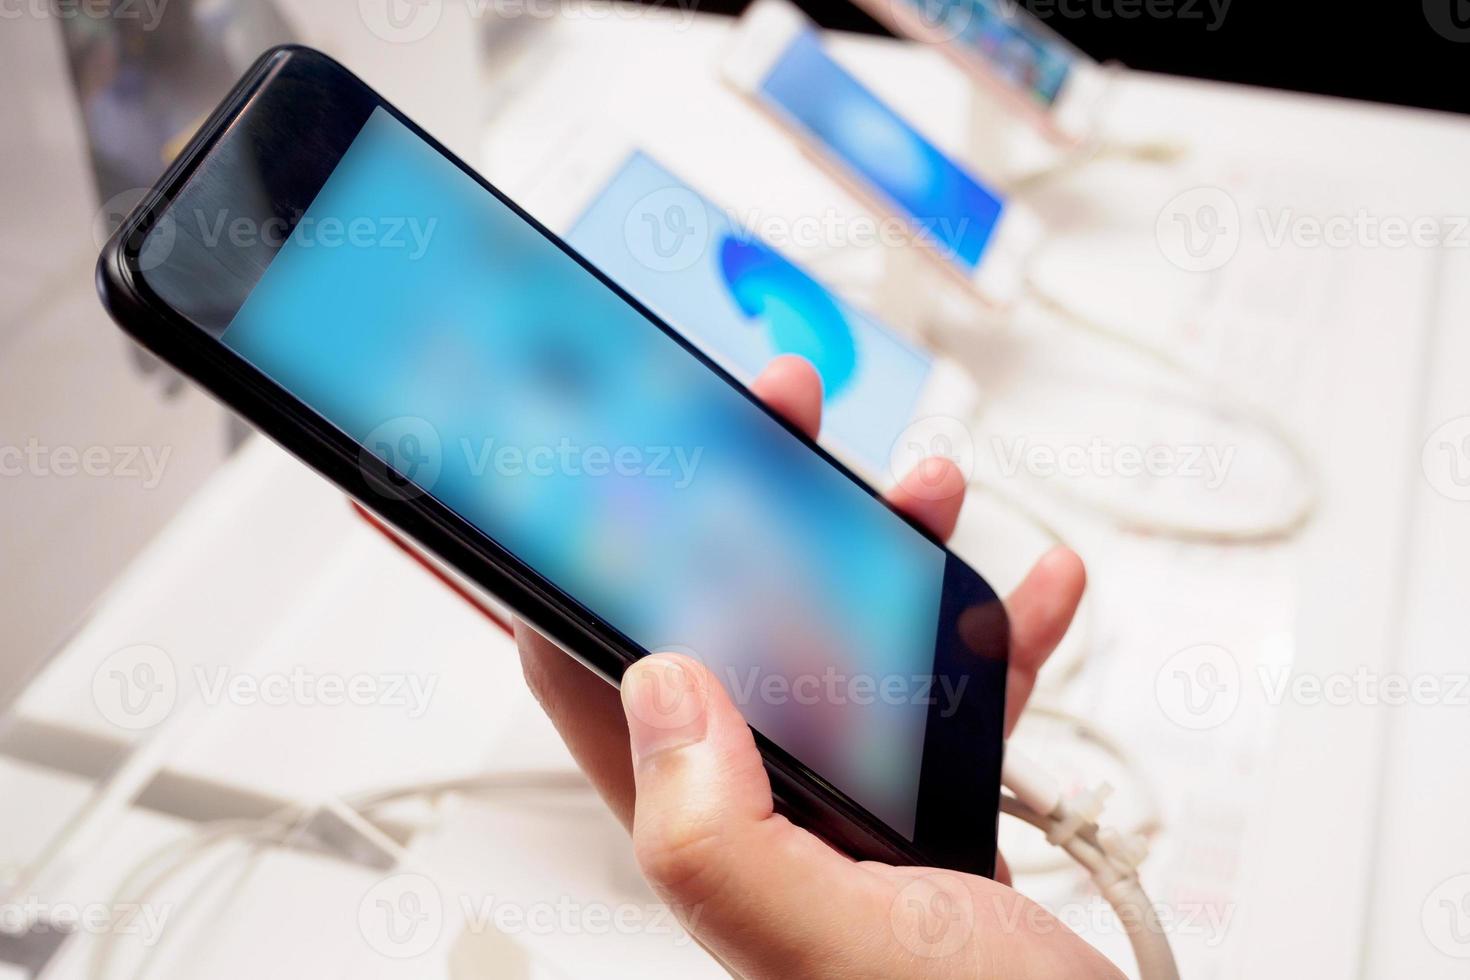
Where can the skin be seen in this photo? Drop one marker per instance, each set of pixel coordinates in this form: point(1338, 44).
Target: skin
point(677, 764)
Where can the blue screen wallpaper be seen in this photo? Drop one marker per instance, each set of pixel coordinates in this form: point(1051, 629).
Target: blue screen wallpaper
point(742, 303)
point(903, 168)
point(801, 317)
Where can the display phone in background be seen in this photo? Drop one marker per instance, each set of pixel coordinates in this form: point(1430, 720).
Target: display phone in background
point(1005, 47)
point(742, 302)
point(404, 328)
point(776, 59)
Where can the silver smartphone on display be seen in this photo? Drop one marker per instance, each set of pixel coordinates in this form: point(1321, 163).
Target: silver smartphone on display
point(973, 233)
point(1005, 47)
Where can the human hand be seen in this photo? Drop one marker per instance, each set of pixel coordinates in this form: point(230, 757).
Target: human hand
point(767, 897)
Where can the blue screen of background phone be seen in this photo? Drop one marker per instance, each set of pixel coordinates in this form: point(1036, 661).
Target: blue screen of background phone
point(742, 303)
point(761, 559)
point(1026, 58)
point(904, 168)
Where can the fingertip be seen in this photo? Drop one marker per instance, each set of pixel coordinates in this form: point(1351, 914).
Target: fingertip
point(1042, 606)
point(792, 388)
point(1065, 568)
point(796, 370)
point(932, 493)
point(665, 698)
point(667, 657)
point(665, 666)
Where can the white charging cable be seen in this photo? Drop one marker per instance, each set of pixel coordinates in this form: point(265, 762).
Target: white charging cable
point(1081, 733)
point(1224, 405)
point(1206, 395)
point(1110, 858)
point(157, 868)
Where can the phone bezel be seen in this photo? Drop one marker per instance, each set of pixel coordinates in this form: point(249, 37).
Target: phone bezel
point(956, 820)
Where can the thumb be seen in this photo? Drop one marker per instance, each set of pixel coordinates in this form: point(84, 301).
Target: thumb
point(746, 882)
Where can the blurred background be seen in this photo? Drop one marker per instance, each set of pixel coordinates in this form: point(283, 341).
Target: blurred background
point(1252, 252)
point(1404, 54)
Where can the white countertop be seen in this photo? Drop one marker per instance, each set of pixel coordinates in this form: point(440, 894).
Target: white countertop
point(1322, 832)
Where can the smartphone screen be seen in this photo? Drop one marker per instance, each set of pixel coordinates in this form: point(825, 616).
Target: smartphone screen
point(743, 304)
point(1008, 39)
point(918, 181)
point(499, 375)
point(323, 266)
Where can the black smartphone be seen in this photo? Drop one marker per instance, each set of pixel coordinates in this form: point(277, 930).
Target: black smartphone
point(327, 269)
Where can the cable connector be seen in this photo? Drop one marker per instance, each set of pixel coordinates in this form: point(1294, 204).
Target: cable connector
point(1030, 783)
point(1110, 858)
point(1080, 814)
